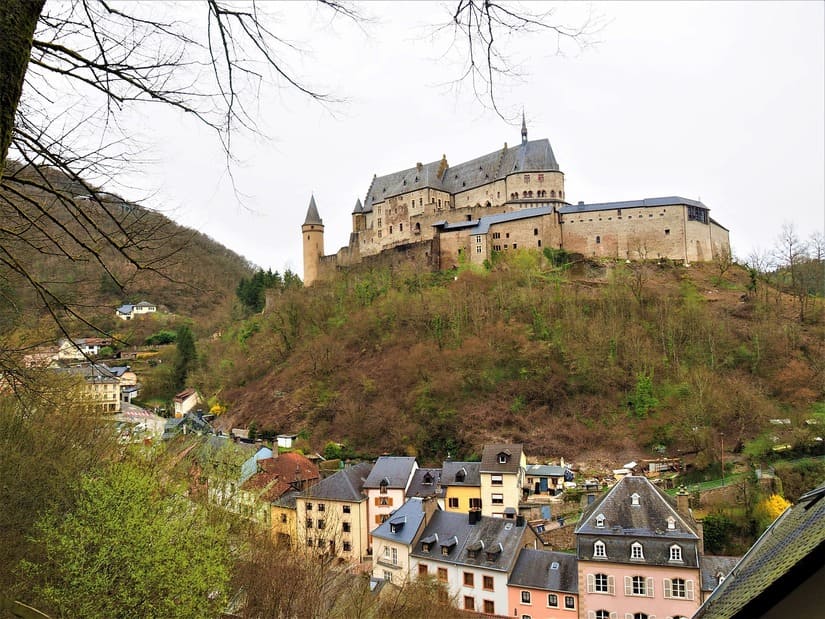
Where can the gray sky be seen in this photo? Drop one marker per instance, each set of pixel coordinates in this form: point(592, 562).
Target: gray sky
point(718, 101)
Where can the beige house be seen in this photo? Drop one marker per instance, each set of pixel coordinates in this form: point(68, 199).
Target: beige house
point(502, 478)
point(100, 386)
point(439, 215)
point(331, 516)
point(130, 311)
point(185, 401)
point(81, 348)
point(387, 485)
point(392, 540)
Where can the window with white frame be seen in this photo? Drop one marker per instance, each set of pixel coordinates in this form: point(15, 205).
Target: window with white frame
point(636, 551)
point(601, 583)
point(678, 588)
point(671, 523)
point(600, 614)
point(552, 600)
point(496, 480)
point(599, 550)
point(638, 585)
point(600, 521)
point(497, 499)
point(634, 499)
point(569, 602)
point(675, 553)
point(525, 597)
point(638, 616)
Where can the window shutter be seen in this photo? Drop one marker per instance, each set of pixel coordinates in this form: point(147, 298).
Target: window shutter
point(649, 591)
point(628, 585)
point(689, 589)
point(611, 585)
point(614, 616)
point(389, 501)
point(628, 616)
point(668, 588)
point(651, 617)
point(591, 583)
point(591, 614)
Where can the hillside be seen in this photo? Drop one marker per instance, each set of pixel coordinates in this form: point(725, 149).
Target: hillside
point(63, 237)
point(601, 358)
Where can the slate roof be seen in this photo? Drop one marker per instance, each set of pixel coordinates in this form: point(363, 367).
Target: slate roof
point(646, 523)
point(546, 470)
point(92, 372)
point(421, 489)
point(489, 458)
point(542, 569)
point(411, 514)
point(572, 209)
point(790, 551)
point(395, 469)
point(471, 477)
point(312, 214)
point(125, 309)
point(482, 225)
point(531, 156)
point(493, 533)
point(712, 565)
point(287, 500)
point(345, 485)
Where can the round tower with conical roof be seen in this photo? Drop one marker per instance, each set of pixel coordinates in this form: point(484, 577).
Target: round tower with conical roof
point(313, 239)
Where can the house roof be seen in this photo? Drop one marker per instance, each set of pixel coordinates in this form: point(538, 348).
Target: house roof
point(572, 209)
point(791, 550)
point(546, 470)
point(490, 458)
point(92, 372)
point(531, 156)
point(497, 541)
point(180, 397)
point(419, 486)
point(711, 566)
point(395, 470)
point(450, 470)
point(145, 304)
point(345, 485)
point(125, 309)
point(542, 569)
point(648, 518)
point(410, 516)
point(482, 225)
point(287, 500)
point(277, 475)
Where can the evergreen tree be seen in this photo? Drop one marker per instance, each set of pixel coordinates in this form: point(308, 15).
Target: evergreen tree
point(186, 356)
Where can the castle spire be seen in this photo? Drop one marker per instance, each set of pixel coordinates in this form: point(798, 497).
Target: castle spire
point(312, 213)
point(523, 128)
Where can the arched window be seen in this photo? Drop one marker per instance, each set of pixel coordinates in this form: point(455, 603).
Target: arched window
point(599, 550)
point(602, 614)
point(600, 521)
point(417, 228)
point(671, 523)
point(636, 551)
point(675, 553)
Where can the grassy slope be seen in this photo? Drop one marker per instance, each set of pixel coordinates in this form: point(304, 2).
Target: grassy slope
point(410, 363)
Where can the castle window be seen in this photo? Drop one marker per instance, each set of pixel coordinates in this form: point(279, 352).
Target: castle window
point(598, 240)
point(506, 235)
point(439, 203)
point(478, 249)
point(523, 194)
point(420, 201)
point(535, 231)
point(667, 231)
point(498, 195)
point(417, 228)
point(539, 242)
point(390, 229)
point(379, 222)
point(526, 178)
point(600, 521)
point(515, 246)
point(541, 178)
point(401, 227)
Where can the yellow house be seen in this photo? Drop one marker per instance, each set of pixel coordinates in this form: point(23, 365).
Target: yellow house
point(331, 516)
point(462, 486)
point(502, 478)
point(282, 518)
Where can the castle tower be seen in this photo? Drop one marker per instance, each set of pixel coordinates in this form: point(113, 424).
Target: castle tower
point(313, 238)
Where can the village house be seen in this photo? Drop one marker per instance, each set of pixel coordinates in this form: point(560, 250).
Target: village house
point(275, 477)
point(439, 215)
point(462, 486)
point(283, 519)
point(100, 387)
point(544, 585)
point(547, 478)
point(473, 556)
point(393, 540)
point(79, 349)
point(502, 477)
point(387, 486)
point(331, 516)
point(129, 311)
point(185, 401)
point(638, 556)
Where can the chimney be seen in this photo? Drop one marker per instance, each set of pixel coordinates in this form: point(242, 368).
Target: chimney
point(683, 502)
point(519, 520)
point(430, 505)
point(474, 516)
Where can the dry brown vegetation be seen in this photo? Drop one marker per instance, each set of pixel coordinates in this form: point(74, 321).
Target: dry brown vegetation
point(601, 358)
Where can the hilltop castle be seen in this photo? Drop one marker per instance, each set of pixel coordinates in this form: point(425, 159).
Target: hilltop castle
point(437, 215)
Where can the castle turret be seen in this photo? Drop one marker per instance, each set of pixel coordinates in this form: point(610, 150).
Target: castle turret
point(313, 237)
point(358, 216)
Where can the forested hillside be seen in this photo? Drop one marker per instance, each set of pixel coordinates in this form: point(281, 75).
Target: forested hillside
point(593, 357)
point(60, 260)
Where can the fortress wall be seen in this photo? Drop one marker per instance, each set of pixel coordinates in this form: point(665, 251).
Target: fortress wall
point(719, 238)
point(634, 233)
point(495, 193)
point(529, 181)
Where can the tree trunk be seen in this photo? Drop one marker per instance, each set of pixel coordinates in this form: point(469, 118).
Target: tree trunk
point(18, 19)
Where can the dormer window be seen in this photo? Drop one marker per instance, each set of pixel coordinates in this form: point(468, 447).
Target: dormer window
point(600, 521)
point(425, 547)
point(494, 552)
point(428, 478)
point(397, 524)
point(676, 553)
point(460, 474)
point(503, 457)
point(448, 545)
point(671, 523)
point(474, 548)
point(634, 499)
point(382, 486)
point(636, 551)
point(599, 551)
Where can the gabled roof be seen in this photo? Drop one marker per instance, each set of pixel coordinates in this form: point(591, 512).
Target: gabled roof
point(345, 485)
point(790, 552)
point(278, 475)
point(551, 571)
point(412, 514)
point(490, 458)
point(546, 470)
point(647, 519)
point(499, 537)
point(419, 487)
point(125, 309)
point(531, 156)
point(180, 397)
point(395, 470)
point(450, 471)
point(711, 566)
point(482, 225)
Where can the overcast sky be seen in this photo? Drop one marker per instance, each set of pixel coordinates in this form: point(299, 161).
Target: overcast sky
point(722, 102)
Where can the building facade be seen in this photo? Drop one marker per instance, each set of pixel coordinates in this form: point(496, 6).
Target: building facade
point(501, 474)
point(513, 198)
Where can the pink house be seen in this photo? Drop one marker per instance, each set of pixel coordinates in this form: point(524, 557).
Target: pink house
point(544, 585)
point(638, 557)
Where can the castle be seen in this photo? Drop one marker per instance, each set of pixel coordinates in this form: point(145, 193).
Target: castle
point(439, 215)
